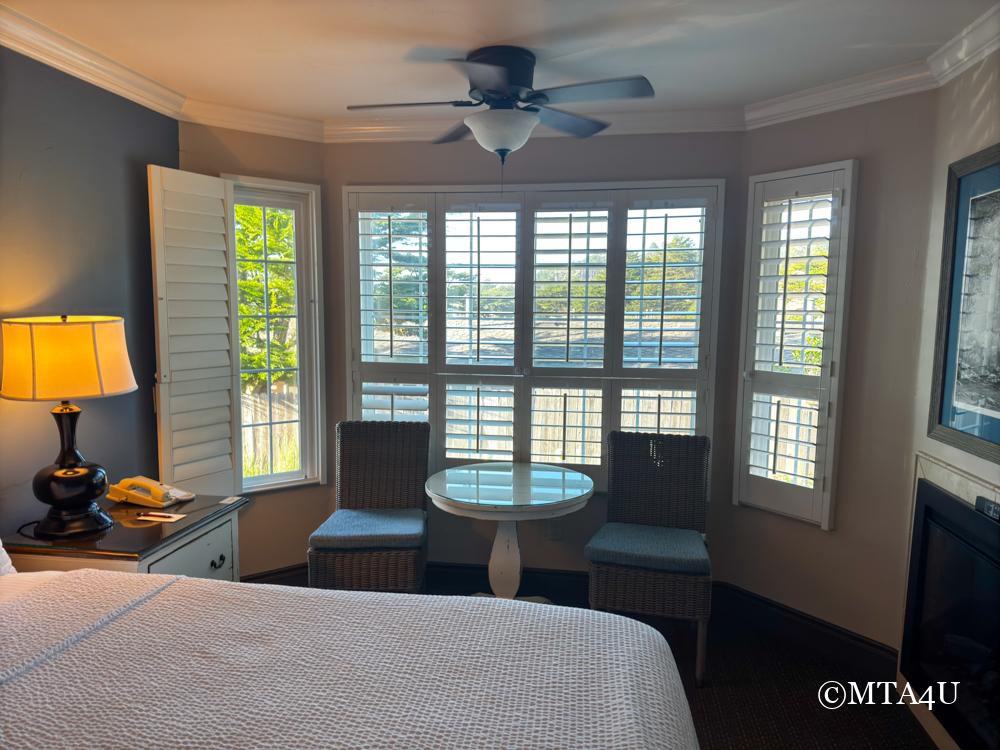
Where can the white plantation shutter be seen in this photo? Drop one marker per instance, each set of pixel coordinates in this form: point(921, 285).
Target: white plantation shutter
point(795, 297)
point(196, 363)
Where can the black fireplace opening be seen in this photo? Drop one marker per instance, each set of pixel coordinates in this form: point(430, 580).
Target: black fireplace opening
point(952, 627)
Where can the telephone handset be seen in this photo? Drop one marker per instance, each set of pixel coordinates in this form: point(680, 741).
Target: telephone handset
point(147, 492)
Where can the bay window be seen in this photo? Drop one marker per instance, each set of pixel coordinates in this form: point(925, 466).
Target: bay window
point(527, 325)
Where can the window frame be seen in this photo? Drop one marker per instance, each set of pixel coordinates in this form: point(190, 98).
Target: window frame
point(305, 198)
point(813, 505)
point(612, 377)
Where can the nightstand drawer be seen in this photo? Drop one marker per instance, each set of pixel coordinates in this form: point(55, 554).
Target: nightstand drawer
point(207, 556)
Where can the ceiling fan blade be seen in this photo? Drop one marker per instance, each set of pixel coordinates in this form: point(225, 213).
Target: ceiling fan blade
point(457, 133)
point(457, 103)
point(633, 87)
point(484, 77)
point(567, 122)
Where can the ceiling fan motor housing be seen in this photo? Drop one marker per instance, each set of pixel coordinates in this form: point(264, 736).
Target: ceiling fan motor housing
point(520, 66)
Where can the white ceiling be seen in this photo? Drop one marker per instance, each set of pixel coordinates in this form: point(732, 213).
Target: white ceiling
point(310, 58)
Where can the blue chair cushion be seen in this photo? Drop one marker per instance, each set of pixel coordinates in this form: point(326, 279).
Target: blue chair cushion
point(655, 547)
point(371, 529)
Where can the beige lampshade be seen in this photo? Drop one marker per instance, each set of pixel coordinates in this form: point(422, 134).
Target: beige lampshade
point(61, 358)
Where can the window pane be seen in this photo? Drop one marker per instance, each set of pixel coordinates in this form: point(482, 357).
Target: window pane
point(393, 279)
point(280, 288)
point(663, 411)
point(256, 451)
point(249, 232)
point(479, 421)
point(783, 438)
point(253, 344)
point(250, 282)
point(791, 304)
point(480, 257)
point(280, 234)
point(571, 255)
point(284, 343)
point(284, 395)
point(253, 398)
point(566, 425)
point(663, 286)
point(286, 451)
point(398, 402)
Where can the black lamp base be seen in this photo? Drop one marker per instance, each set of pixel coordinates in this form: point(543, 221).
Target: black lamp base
point(63, 523)
point(70, 485)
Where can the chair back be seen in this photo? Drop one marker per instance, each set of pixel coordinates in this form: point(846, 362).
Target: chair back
point(382, 464)
point(658, 480)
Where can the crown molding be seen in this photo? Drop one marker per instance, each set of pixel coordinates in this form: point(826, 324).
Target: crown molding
point(374, 130)
point(251, 121)
point(30, 38)
point(871, 87)
point(974, 43)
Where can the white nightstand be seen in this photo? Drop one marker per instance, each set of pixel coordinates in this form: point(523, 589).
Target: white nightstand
point(204, 544)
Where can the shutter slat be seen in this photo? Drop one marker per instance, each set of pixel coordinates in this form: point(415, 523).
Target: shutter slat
point(194, 435)
point(202, 373)
point(199, 401)
point(189, 309)
point(199, 221)
point(193, 256)
point(198, 292)
point(191, 273)
point(205, 385)
point(195, 204)
point(194, 238)
point(200, 451)
point(195, 469)
point(205, 343)
point(197, 326)
point(199, 360)
point(203, 418)
point(196, 274)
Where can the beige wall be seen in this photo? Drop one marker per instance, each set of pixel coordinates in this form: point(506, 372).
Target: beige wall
point(854, 575)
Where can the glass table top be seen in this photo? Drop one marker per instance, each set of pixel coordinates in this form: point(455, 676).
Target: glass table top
point(506, 485)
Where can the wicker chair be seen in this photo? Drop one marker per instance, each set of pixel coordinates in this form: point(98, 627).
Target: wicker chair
point(376, 540)
point(651, 558)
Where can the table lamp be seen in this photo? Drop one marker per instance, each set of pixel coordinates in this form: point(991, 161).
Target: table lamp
point(59, 358)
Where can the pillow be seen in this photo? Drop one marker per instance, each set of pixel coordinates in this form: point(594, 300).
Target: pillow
point(6, 566)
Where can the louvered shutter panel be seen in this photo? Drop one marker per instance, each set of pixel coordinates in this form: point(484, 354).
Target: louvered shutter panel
point(197, 388)
point(795, 296)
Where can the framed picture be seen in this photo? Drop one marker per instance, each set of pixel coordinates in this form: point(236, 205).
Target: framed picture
point(965, 401)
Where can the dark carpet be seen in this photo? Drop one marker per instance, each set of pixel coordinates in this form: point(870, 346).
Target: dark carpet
point(764, 671)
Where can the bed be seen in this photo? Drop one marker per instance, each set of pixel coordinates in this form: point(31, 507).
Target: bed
point(114, 660)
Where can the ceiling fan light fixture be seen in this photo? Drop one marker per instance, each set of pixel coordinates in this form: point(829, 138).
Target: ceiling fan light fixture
point(502, 130)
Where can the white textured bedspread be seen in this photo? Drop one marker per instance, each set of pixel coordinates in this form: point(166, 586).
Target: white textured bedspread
point(114, 660)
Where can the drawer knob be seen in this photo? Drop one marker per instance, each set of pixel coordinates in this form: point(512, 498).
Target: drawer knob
point(216, 564)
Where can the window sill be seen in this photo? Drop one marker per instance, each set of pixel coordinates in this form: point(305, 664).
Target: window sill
point(280, 484)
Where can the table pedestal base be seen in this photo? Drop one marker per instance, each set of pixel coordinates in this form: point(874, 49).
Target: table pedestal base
point(505, 561)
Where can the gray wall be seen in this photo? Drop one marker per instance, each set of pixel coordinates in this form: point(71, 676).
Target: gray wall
point(74, 238)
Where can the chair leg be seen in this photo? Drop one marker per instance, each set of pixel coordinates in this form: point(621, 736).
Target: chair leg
point(699, 663)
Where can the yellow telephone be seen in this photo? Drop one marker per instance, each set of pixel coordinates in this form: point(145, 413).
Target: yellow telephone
point(147, 492)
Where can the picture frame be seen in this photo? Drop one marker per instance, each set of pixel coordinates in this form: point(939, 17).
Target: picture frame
point(965, 395)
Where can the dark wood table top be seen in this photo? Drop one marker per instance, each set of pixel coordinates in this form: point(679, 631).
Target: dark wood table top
point(130, 537)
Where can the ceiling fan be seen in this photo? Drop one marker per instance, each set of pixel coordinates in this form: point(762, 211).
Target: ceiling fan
point(500, 77)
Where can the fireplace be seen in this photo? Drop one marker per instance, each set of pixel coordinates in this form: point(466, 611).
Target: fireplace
point(952, 627)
